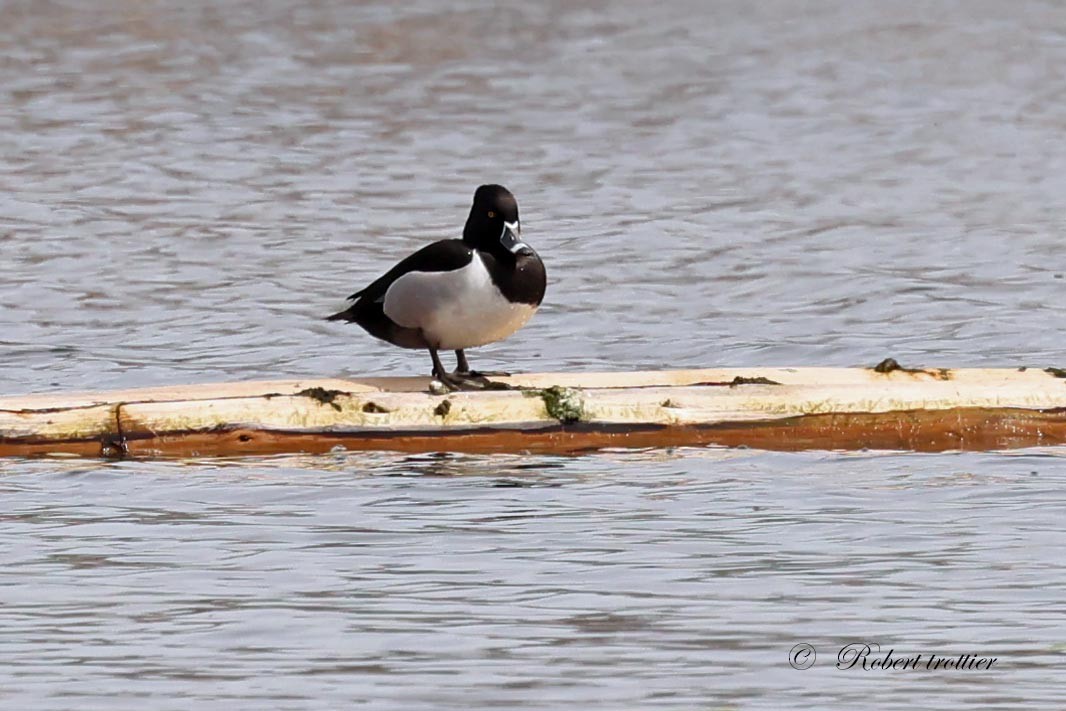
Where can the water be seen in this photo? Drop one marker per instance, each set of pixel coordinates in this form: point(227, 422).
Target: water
point(660, 579)
point(186, 188)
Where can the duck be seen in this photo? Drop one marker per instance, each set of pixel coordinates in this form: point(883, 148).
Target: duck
point(457, 294)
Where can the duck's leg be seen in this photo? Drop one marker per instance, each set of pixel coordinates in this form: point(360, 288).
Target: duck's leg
point(457, 381)
point(461, 365)
point(463, 368)
point(441, 374)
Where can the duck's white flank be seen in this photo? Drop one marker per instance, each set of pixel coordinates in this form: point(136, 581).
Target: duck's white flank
point(456, 309)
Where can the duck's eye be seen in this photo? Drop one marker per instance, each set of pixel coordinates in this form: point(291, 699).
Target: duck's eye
point(491, 214)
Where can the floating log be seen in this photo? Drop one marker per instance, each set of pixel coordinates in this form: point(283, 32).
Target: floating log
point(887, 407)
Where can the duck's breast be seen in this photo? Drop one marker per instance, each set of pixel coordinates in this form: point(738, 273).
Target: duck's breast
point(462, 308)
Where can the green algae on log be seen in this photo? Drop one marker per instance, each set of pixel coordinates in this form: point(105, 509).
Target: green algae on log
point(563, 404)
point(324, 396)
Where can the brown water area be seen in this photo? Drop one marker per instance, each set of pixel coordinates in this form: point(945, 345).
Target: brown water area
point(187, 188)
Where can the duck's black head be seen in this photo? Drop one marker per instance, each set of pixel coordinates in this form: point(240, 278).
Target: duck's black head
point(493, 224)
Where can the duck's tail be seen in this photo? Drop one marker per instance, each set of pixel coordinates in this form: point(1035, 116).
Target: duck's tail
point(347, 315)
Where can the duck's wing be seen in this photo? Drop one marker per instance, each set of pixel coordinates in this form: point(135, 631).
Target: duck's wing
point(442, 256)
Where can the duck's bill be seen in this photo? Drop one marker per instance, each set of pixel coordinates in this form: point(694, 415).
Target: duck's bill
point(511, 239)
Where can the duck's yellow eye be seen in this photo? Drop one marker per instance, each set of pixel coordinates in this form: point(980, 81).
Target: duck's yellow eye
point(491, 214)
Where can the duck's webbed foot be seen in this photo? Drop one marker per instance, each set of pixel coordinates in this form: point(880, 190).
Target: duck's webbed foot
point(463, 379)
point(477, 381)
point(462, 369)
point(467, 381)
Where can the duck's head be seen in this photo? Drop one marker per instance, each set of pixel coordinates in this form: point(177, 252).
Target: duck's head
point(493, 224)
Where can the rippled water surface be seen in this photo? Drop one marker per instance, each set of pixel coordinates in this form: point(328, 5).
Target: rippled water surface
point(660, 579)
point(186, 188)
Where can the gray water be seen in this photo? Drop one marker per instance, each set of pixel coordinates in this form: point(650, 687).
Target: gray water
point(186, 188)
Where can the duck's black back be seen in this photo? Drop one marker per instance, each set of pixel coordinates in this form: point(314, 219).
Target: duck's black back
point(369, 308)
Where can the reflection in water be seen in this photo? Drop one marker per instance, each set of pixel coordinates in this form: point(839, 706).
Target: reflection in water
point(186, 187)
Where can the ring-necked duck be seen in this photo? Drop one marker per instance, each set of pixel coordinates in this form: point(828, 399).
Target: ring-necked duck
point(457, 294)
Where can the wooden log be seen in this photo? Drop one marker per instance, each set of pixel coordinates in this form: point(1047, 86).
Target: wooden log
point(773, 408)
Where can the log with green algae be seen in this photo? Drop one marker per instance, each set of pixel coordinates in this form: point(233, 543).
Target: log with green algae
point(563, 404)
point(813, 408)
point(891, 365)
point(324, 396)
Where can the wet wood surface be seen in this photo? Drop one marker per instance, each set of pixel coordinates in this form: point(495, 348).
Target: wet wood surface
point(771, 408)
